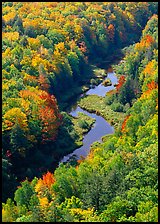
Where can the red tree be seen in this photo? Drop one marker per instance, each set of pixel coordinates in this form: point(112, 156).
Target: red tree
point(121, 81)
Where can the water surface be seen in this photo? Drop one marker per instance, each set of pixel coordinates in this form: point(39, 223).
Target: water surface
point(101, 90)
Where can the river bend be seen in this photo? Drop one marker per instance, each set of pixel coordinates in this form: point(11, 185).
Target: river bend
point(100, 128)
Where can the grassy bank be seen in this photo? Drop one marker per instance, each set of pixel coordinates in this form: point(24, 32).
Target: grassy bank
point(82, 124)
point(96, 104)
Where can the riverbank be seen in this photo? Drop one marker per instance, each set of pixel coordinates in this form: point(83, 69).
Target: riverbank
point(82, 125)
point(96, 104)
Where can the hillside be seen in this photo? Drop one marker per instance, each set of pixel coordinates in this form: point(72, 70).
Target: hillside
point(47, 52)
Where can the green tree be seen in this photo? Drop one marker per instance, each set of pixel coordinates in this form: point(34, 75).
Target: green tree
point(30, 32)
point(66, 184)
point(23, 195)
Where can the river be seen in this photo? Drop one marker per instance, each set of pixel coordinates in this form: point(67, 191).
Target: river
point(101, 126)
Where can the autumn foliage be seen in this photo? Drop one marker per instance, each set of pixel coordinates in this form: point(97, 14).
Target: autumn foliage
point(46, 50)
point(124, 123)
point(121, 81)
point(146, 42)
point(48, 179)
point(50, 116)
point(111, 32)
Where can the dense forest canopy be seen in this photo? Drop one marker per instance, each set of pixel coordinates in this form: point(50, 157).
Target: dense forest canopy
point(47, 48)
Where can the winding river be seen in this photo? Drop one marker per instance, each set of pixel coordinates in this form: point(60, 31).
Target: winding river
point(101, 126)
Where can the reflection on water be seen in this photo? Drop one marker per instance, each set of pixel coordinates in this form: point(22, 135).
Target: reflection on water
point(100, 128)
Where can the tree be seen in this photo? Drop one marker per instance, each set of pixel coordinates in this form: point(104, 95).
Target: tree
point(9, 183)
point(116, 210)
point(19, 25)
point(126, 92)
point(50, 117)
point(9, 213)
point(29, 31)
point(111, 32)
point(18, 140)
point(147, 212)
point(15, 115)
point(24, 194)
point(74, 63)
point(48, 179)
point(55, 36)
point(66, 184)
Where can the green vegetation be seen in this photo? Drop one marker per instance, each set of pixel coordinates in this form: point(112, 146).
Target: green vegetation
point(71, 133)
point(46, 51)
point(107, 82)
point(97, 104)
point(82, 125)
point(93, 82)
point(117, 107)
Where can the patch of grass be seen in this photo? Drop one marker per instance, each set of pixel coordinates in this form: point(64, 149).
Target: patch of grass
point(116, 106)
point(82, 124)
point(109, 98)
point(96, 104)
point(105, 138)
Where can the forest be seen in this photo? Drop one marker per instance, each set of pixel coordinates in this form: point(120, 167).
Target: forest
point(51, 53)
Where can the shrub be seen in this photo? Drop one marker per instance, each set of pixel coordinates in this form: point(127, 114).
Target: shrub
point(109, 99)
point(107, 82)
point(93, 82)
point(83, 124)
point(117, 107)
point(126, 107)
